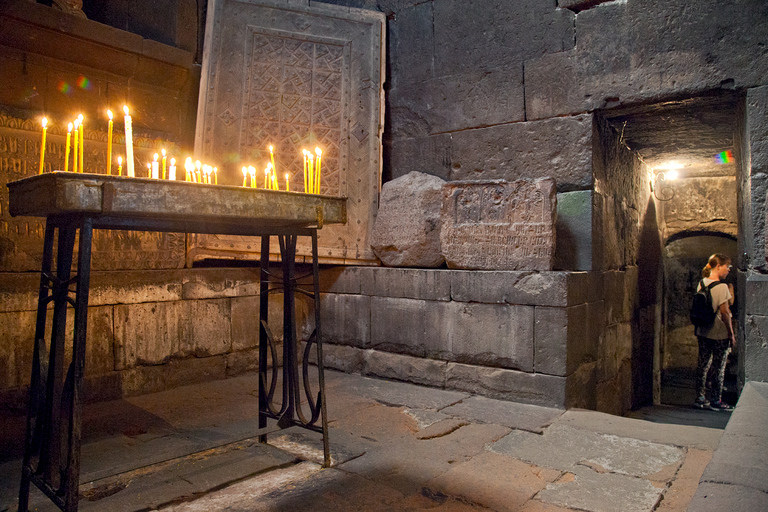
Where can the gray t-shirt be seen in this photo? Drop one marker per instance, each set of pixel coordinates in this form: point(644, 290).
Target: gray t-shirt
point(720, 294)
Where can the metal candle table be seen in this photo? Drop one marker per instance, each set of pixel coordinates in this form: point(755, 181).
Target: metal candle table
point(72, 203)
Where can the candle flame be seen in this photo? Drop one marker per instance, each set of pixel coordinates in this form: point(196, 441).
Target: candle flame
point(245, 171)
point(318, 151)
point(69, 127)
point(45, 122)
point(80, 117)
point(287, 176)
point(270, 148)
point(163, 151)
point(269, 167)
point(156, 155)
point(173, 161)
point(251, 170)
point(77, 123)
point(125, 109)
point(198, 164)
point(119, 160)
point(109, 113)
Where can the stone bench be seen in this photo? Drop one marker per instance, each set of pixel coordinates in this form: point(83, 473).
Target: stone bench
point(736, 478)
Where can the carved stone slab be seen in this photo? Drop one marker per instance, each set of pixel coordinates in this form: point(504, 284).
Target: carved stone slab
point(21, 238)
point(295, 76)
point(499, 225)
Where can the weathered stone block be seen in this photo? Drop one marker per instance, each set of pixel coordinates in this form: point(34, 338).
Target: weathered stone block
point(17, 330)
point(430, 154)
point(346, 319)
point(573, 250)
point(205, 327)
point(139, 380)
point(409, 326)
point(133, 287)
point(147, 334)
point(340, 280)
point(596, 323)
point(560, 148)
point(497, 225)
point(607, 355)
point(619, 295)
point(756, 348)
point(405, 368)
point(580, 387)
point(339, 357)
point(756, 294)
point(426, 284)
point(245, 322)
point(561, 340)
point(509, 287)
point(488, 334)
point(532, 388)
point(710, 198)
point(411, 44)
point(407, 228)
point(18, 292)
point(212, 283)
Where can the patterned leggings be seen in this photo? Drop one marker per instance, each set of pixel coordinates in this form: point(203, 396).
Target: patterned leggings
point(714, 353)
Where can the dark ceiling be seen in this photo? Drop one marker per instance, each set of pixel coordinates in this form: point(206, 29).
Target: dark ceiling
point(690, 132)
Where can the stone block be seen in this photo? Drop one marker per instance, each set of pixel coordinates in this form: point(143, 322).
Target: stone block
point(558, 148)
point(134, 287)
point(756, 348)
point(456, 102)
point(561, 339)
point(409, 326)
point(205, 327)
point(499, 225)
point(339, 357)
point(147, 334)
point(716, 497)
point(531, 388)
point(580, 387)
point(487, 334)
point(425, 284)
point(756, 294)
point(619, 295)
point(411, 45)
point(417, 370)
point(213, 283)
point(430, 154)
point(242, 361)
point(19, 291)
point(346, 319)
point(139, 380)
point(511, 287)
point(596, 324)
point(194, 370)
point(17, 330)
point(245, 322)
point(607, 355)
point(573, 250)
point(407, 228)
point(496, 36)
point(341, 279)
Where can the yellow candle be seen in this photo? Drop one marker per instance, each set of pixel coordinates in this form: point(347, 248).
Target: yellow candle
point(42, 146)
point(189, 167)
point(82, 141)
point(155, 167)
point(272, 159)
point(66, 152)
point(317, 177)
point(311, 172)
point(119, 166)
point(164, 157)
point(109, 143)
point(172, 170)
point(75, 144)
point(128, 144)
point(149, 170)
point(252, 174)
point(266, 176)
point(287, 182)
point(198, 174)
point(215, 175)
point(245, 175)
point(304, 152)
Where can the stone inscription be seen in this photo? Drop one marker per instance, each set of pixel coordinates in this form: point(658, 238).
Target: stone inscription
point(21, 238)
point(499, 225)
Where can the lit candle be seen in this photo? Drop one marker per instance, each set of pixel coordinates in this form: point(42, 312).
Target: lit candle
point(172, 170)
point(252, 173)
point(128, 144)
point(198, 176)
point(272, 159)
point(287, 182)
point(319, 154)
point(266, 177)
point(304, 152)
point(119, 166)
point(190, 167)
point(75, 144)
point(215, 175)
point(66, 152)
point(245, 175)
point(149, 170)
point(207, 174)
point(155, 167)
point(109, 143)
point(164, 157)
point(82, 141)
point(42, 146)
point(311, 172)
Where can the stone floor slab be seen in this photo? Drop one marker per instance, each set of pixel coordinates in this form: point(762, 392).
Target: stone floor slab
point(403, 394)
point(716, 497)
point(533, 418)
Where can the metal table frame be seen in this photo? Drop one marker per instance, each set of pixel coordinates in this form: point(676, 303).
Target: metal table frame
point(53, 430)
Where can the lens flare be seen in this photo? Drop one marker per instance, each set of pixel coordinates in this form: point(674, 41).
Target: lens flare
point(726, 157)
point(83, 83)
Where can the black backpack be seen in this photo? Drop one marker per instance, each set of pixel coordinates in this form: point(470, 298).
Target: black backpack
point(702, 313)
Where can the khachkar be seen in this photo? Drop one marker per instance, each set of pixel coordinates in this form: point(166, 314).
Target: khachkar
point(499, 225)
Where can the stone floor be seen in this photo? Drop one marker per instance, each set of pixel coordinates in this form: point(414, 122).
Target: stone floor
point(395, 446)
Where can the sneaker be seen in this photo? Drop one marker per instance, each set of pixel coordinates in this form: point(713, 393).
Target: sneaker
point(701, 403)
point(720, 406)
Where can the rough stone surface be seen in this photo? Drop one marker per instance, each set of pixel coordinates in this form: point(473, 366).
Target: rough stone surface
point(498, 225)
point(417, 370)
point(214, 283)
point(409, 326)
point(532, 418)
point(756, 345)
point(429, 154)
point(757, 294)
point(346, 319)
point(573, 250)
point(406, 283)
point(340, 279)
point(407, 228)
point(560, 148)
point(561, 339)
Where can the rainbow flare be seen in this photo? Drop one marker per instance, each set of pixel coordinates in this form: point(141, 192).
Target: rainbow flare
point(726, 157)
point(63, 87)
point(83, 83)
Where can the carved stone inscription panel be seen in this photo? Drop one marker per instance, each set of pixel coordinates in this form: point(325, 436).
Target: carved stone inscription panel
point(499, 225)
point(21, 238)
point(294, 77)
